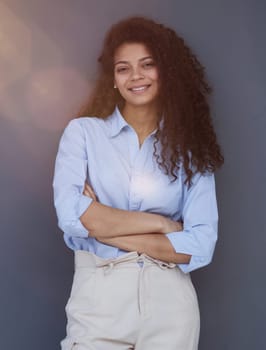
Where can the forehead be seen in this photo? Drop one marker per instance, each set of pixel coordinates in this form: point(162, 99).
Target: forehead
point(131, 52)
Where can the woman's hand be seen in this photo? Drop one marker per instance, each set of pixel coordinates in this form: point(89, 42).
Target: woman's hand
point(88, 191)
point(171, 225)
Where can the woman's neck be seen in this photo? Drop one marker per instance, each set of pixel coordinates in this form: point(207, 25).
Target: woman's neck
point(143, 119)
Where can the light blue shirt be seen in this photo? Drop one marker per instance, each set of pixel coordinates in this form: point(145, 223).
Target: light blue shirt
point(106, 153)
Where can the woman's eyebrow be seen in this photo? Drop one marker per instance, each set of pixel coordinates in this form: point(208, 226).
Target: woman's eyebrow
point(121, 62)
point(144, 58)
point(141, 59)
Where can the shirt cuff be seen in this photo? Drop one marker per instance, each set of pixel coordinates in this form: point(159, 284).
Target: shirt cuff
point(83, 204)
point(196, 261)
point(75, 227)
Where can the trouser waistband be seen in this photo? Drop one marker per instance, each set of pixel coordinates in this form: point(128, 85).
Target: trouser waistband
point(85, 259)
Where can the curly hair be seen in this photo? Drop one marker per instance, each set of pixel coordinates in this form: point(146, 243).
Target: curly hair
point(187, 136)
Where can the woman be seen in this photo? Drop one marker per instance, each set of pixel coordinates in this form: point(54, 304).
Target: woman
point(135, 194)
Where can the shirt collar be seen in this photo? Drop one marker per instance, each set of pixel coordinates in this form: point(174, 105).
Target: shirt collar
point(117, 122)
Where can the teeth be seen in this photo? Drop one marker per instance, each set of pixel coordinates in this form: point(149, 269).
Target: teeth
point(141, 88)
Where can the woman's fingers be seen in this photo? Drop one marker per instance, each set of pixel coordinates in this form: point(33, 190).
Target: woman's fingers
point(88, 191)
point(90, 194)
point(179, 225)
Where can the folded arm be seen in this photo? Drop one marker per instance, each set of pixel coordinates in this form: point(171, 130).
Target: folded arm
point(155, 245)
point(192, 246)
point(105, 221)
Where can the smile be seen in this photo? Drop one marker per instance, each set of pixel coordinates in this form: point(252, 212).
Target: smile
point(139, 89)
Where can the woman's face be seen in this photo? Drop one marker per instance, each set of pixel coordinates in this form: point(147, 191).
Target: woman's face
point(136, 74)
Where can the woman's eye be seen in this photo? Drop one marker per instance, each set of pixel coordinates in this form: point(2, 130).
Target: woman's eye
point(121, 69)
point(149, 64)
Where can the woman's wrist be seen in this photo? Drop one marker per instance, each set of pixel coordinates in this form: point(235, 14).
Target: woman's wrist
point(164, 224)
point(169, 225)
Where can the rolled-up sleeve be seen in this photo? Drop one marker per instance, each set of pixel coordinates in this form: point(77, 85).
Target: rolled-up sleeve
point(200, 220)
point(69, 179)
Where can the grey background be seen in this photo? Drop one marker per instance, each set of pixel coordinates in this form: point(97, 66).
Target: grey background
point(48, 51)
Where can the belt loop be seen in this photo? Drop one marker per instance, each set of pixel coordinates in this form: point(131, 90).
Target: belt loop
point(108, 268)
point(162, 264)
point(109, 264)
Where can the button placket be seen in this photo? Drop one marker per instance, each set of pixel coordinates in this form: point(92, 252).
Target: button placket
point(134, 193)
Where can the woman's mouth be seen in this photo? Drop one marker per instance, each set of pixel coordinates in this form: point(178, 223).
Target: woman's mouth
point(139, 89)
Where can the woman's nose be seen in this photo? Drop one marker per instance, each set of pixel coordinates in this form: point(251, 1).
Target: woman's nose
point(137, 74)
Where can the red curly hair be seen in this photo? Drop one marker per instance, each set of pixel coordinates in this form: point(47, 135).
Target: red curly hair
point(187, 136)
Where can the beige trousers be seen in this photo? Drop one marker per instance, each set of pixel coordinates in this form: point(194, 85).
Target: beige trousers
point(130, 302)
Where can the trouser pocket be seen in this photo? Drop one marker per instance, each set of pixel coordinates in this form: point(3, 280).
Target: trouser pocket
point(82, 296)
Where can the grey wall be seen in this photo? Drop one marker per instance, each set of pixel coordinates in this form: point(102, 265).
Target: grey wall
point(48, 51)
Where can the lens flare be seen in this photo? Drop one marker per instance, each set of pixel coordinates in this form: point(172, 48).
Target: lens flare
point(53, 96)
point(144, 184)
point(15, 48)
